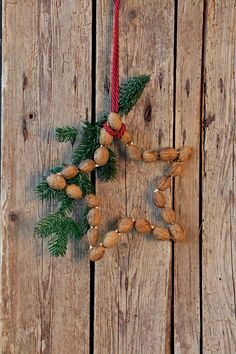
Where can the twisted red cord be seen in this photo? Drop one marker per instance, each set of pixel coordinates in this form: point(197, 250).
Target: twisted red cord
point(115, 75)
point(115, 133)
point(115, 61)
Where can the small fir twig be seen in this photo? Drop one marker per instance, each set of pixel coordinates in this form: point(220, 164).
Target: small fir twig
point(109, 171)
point(131, 91)
point(66, 134)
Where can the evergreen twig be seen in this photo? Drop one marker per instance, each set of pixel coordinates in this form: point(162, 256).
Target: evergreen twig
point(59, 227)
point(131, 91)
point(66, 134)
point(90, 140)
point(108, 172)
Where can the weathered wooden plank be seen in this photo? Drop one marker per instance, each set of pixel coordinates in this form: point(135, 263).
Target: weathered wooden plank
point(46, 83)
point(219, 243)
point(187, 132)
point(133, 282)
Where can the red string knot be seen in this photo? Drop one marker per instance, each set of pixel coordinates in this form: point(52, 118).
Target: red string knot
point(118, 134)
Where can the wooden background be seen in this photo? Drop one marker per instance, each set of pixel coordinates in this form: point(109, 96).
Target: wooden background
point(144, 296)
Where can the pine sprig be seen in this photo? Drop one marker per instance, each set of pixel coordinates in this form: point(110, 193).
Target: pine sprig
point(109, 171)
point(49, 225)
point(131, 91)
point(90, 140)
point(83, 181)
point(45, 193)
point(66, 134)
point(59, 228)
point(84, 221)
point(57, 245)
point(67, 205)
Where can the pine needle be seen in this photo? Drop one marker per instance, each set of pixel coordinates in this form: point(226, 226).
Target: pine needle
point(131, 91)
point(109, 171)
point(66, 134)
point(90, 140)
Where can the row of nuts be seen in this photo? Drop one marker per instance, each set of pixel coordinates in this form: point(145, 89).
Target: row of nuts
point(111, 239)
point(94, 218)
point(94, 214)
point(175, 232)
point(58, 181)
point(167, 154)
point(135, 153)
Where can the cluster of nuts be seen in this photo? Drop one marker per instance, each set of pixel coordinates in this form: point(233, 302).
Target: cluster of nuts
point(100, 158)
point(58, 181)
point(176, 158)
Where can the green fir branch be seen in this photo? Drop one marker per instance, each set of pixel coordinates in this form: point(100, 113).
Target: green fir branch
point(66, 134)
point(49, 225)
point(67, 205)
point(109, 171)
point(131, 91)
point(57, 245)
point(83, 181)
point(89, 142)
point(59, 228)
point(45, 193)
point(84, 220)
point(57, 169)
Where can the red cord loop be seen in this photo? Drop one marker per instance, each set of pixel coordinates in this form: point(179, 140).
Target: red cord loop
point(115, 61)
point(115, 133)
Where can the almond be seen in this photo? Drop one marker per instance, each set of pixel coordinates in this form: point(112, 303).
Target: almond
point(178, 233)
point(159, 199)
point(185, 153)
point(125, 225)
point(87, 166)
point(96, 253)
point(111, 239)
point(127, 137)
point(74, 191)
point(115, 121)
point(175, 169)
point(163, 183)
point(92, 200)
point(56, 181)
point(134, 152)
point(69, 172)
point(168, 215)
point(161, 233)
point(92, 236)
point(143, 226)
point(105, 138)
point(168, 154)
point(149, 156)
point(94, 217)
point(101, 156)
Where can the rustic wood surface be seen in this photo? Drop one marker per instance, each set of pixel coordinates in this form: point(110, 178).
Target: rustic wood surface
point(187, 187)
point(144, 296)
point(46, 83)
point(134, 280)
point(219, 242)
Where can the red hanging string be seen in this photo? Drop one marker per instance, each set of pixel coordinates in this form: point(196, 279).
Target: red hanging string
point(115, 75)
point(115, 60)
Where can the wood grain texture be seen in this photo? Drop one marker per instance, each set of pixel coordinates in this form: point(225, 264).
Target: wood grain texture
point(219, 242)
point(46, 83)
point(133, 282)
point(47, 75)
point(187, 188)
